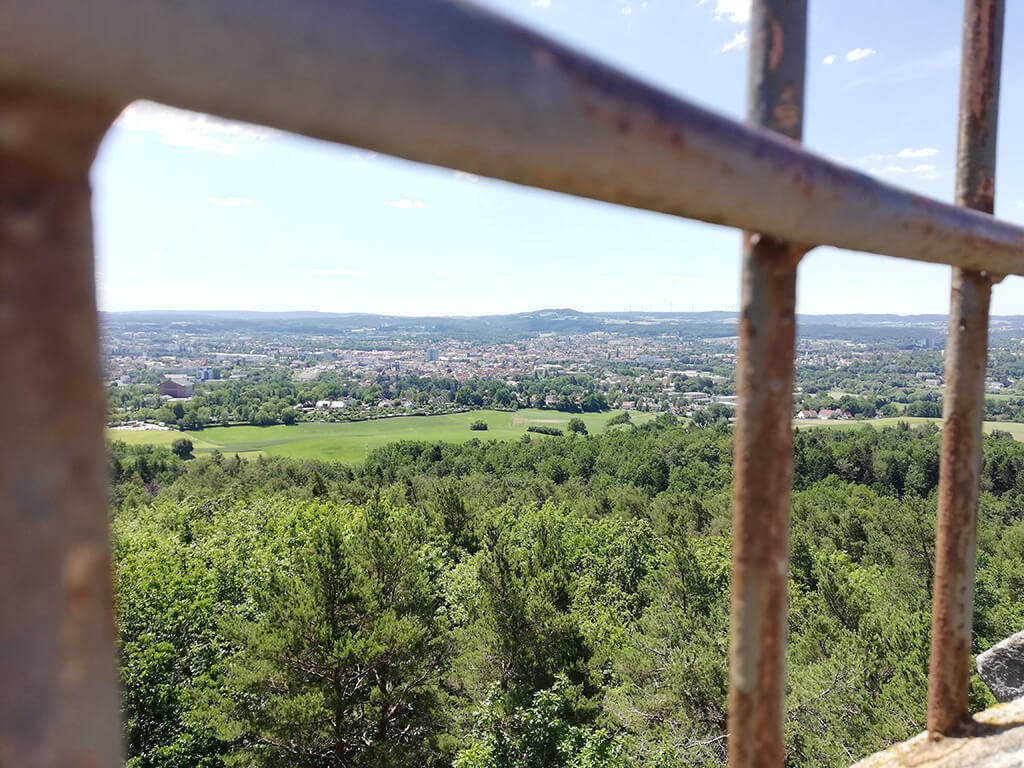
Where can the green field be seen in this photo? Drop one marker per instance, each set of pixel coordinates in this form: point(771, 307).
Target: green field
point(351, 441)
point(157, 437)
point(1017, 430)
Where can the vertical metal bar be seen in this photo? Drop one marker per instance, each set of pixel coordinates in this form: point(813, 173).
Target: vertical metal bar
point(966, 354)
point(763, 449)
point(59, 698)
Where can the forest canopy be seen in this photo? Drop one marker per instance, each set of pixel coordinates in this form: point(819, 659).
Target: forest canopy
point(548, 602)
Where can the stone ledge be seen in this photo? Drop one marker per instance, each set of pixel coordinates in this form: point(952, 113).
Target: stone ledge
point(995, 740)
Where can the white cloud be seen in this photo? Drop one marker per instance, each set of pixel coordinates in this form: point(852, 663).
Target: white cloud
point(829, 60)
point(405, 203)
point(336, 271)
point(889, 169)
point(924, 168)
point(541, 3)
point(930, 176)
point(737, 11)
point(1020, 203)
point(922, 152)
point(231, 201)
point(626, 11)
point(738, 40)
point(859, 53)
point(946, 59)
point(464, 176)
point(179, 128)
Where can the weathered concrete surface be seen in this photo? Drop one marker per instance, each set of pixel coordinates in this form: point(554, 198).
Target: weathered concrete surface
point(1002, 668)
point(994, 740)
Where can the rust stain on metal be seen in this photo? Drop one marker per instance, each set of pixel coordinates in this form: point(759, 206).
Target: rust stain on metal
point(787, 117)
point(605, 101)
point(979, 103)
point(86, 570)
point(762, 471)
point(985, 194)
point(953, 606)
point(778, 44)
point(984, 26)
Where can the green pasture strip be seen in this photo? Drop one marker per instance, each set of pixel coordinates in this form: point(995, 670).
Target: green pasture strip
point(350, 441)
point(158, 437)
point(1015, 429)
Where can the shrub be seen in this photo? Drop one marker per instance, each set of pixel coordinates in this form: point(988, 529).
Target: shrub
point(620, 418)
point(182, 448)
point(545, 430)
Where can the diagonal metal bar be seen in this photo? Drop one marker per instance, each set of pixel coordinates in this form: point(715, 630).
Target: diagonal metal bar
point(763, 443)
point(964, 406)
point(444, 82)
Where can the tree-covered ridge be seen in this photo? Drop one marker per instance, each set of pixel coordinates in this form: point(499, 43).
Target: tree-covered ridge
point(549, 602)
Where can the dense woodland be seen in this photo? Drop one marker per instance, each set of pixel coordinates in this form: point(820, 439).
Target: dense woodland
point(557, 601)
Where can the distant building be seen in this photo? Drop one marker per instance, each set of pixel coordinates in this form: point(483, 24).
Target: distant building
point(432, 355)
point(176, 386)
point(807, 415)
point(333, 405)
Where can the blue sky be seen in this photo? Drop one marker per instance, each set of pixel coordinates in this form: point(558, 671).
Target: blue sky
point(193, 212)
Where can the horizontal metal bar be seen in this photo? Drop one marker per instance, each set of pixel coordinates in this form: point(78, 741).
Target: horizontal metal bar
point(446, 83)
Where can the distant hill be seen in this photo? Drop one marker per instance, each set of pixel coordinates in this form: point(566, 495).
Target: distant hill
point(929, 328)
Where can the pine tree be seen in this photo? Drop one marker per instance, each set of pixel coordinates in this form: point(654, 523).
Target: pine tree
point(343, 666)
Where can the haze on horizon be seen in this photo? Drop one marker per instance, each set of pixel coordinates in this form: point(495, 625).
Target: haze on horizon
point(196, 213)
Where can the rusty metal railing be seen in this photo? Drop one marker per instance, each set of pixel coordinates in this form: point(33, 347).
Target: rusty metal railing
point(763, 438)
point(966, 355)
point(443, 82)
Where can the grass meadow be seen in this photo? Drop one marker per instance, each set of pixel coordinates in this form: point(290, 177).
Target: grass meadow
point(351, 441)
point(1017, 430)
